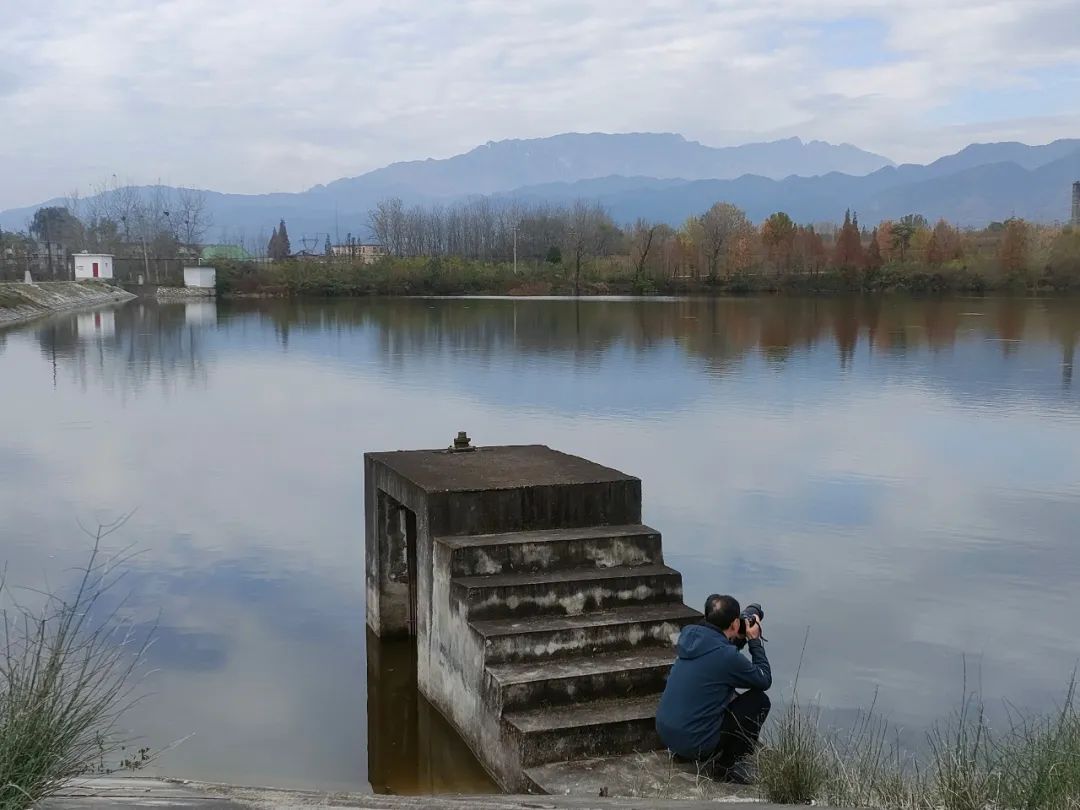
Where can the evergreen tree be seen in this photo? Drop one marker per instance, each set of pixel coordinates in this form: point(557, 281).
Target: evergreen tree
point(272, 245)
point(848, 254)
point(283, 241)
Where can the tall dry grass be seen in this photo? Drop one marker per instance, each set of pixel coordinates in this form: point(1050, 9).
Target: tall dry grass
point(67, 673)
point(1033, 764)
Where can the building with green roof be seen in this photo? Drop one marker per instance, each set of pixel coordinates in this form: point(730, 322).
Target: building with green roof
point(227, 252)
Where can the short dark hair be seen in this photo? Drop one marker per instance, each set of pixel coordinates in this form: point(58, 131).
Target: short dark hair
point(721, 610)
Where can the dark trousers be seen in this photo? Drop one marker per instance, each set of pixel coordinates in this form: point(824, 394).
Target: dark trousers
point(739, 730)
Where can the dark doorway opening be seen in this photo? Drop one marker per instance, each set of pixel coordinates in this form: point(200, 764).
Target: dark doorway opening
point(398, 544)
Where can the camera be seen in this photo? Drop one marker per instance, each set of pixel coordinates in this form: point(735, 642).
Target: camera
point(751, 615)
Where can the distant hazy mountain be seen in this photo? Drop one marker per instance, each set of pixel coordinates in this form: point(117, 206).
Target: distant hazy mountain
point(505, 165)
point(982, 154)
point(666, 177)
point(970, 196)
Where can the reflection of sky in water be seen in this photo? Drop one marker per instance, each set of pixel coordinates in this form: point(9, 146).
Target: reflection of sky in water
point(900, 476)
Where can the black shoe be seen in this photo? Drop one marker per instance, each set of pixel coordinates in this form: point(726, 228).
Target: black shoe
point(741, 773)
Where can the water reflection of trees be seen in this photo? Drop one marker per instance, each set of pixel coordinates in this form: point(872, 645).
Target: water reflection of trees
point(128, 347)
point(142, 342)
point(719, 332)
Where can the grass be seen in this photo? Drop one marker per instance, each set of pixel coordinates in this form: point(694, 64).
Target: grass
point(1039, 766)
point(67, 674)
point(1032, 765)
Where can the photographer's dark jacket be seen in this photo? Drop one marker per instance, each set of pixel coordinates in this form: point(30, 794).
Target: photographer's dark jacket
point(702, 683)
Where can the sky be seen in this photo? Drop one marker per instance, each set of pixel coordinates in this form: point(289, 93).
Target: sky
point(255, 97)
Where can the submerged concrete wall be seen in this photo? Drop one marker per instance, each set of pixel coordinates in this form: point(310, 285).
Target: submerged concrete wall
point(20, 302)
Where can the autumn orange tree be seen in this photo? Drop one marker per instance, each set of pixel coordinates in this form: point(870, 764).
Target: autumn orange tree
point(944, 244)
point(848, 252)
point(809, 250)
point(1012, 252)
point(874, 260)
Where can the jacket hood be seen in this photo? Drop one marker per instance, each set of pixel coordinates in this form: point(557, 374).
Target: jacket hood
point(697, 640)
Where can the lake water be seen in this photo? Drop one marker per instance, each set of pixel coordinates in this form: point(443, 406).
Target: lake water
point(900, 477)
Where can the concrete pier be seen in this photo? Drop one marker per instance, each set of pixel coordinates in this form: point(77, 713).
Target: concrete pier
point(543, 613)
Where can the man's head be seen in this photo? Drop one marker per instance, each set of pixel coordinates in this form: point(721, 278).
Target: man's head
point(723, 612)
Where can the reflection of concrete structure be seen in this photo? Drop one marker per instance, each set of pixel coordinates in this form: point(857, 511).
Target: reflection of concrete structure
point(411, 748)
point(101, 323)
point(93, 265)
point(200, 278)
point(198, 313)
point(543, 614)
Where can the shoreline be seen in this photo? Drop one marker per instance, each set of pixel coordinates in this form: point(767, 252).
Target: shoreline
point(21, 302)
point(147, 792)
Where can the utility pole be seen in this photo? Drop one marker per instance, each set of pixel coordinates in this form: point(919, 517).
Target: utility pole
point(515, 248)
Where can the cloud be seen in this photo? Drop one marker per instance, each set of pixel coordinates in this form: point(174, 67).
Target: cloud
point(246, 97)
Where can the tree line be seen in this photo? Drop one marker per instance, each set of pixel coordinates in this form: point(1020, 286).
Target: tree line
point(718, 244)
point(148, 224)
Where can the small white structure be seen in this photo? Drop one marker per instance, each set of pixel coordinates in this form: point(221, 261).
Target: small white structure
point(200, 278)
point(93, 265)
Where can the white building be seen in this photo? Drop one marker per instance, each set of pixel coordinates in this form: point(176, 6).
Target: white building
point(368, 253)
point(93, 265)
point(200, 278)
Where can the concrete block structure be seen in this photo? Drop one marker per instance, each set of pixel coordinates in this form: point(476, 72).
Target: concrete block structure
point(93, 265)
point(366, 252)
point(1076, 204)
point(543, 613)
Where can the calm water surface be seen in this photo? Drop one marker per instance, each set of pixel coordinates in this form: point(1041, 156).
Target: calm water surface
point(901, 477)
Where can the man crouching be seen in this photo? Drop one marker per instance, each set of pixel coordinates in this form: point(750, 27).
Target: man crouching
point(700, 716)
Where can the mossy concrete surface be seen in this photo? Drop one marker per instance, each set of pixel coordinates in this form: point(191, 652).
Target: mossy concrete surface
point(20, 302)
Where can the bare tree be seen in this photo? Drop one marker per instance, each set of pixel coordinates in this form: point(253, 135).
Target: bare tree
point(191, 218)
point(589, 230)
point(642, 234)
point(387, 223)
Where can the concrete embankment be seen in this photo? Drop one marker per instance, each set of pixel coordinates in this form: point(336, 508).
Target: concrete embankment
point(143, 794)
point(21, 302)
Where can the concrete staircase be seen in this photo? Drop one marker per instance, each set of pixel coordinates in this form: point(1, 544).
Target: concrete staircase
point(576, 629)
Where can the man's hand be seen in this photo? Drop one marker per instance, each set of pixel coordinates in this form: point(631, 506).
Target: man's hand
point(753, 631)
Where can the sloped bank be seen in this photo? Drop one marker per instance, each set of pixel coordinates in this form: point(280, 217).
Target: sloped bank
point(21, 302)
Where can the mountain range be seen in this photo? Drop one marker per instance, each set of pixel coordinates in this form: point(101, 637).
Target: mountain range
point(666, 177)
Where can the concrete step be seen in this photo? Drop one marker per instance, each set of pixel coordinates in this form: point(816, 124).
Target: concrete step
point(568, 593)
point(583, 730)
point(652, 774)
point(534, 684)
point(545, 637)
point(551, 549)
